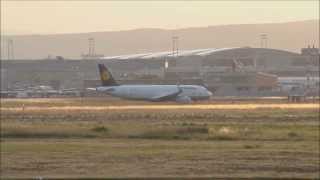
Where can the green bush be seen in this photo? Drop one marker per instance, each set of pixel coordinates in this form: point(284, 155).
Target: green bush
point(100, 129)
point(293, 135)
point(247, 146)
point(192, 130)
point(221, 137)
point(172, 133)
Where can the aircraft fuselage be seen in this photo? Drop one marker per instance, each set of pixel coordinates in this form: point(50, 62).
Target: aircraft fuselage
point(151, 92)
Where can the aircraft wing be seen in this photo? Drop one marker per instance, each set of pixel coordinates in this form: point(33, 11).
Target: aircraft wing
point(166, 96)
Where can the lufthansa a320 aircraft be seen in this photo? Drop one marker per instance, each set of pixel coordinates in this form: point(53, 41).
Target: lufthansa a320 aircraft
point(178, 93)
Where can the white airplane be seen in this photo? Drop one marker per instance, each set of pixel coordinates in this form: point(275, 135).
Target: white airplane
point(178, 93)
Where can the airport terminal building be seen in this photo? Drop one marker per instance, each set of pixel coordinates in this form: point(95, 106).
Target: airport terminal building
point(225, 71)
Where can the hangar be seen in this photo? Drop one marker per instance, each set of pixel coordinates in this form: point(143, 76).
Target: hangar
point(201, 61)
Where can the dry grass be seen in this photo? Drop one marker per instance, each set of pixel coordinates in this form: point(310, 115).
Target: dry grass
point(154, 158)
point(77, 138)
point(140, 130)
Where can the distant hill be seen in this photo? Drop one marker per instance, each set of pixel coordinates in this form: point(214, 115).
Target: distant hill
point(289, 36)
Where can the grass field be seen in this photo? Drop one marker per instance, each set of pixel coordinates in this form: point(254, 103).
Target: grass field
point(115, 138)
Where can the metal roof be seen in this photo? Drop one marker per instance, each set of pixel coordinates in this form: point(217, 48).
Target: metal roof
point(194, 52)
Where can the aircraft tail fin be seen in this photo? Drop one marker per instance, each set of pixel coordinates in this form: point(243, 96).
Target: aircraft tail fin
point(106, 76)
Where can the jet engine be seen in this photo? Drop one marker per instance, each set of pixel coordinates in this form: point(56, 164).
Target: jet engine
point(183, 99)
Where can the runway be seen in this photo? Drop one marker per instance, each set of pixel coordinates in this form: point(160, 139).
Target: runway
point(169, 107)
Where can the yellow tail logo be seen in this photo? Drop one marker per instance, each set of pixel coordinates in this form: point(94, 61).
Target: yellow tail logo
point(105, 76)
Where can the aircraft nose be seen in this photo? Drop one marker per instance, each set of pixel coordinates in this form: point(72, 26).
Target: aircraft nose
point(209, 93)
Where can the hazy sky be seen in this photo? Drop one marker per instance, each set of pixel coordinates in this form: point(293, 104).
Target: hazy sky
point(35, 17)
